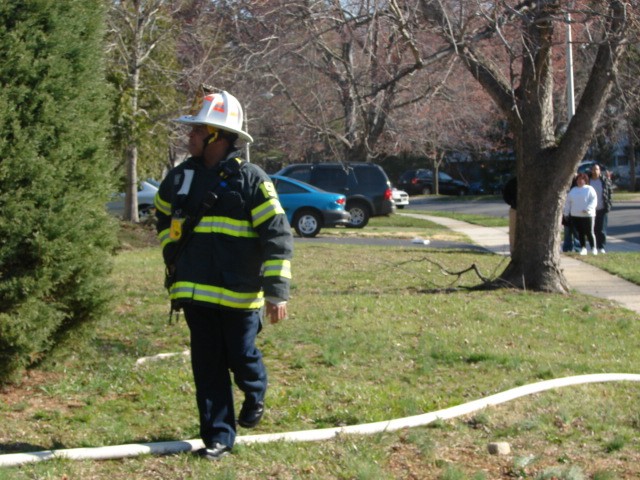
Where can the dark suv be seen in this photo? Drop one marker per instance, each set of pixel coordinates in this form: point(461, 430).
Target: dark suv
point(365, 185)
point(420, 181)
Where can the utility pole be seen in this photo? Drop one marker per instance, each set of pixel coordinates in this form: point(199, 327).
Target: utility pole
point(571, 103)
point(247, 149)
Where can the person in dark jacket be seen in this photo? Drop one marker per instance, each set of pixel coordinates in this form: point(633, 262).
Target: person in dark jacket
point(227, 247)
point(602, 185)
point(510, 196)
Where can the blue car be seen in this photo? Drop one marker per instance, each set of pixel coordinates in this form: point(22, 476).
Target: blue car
point(308, 208)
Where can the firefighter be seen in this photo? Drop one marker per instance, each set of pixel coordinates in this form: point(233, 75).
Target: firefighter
point(227, 247)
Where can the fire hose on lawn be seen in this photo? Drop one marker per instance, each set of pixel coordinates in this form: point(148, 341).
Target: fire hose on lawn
point(163, 448)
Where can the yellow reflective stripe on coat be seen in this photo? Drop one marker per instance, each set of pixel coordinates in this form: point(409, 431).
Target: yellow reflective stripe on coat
point(265, 211)
point(164, 237)
point(164, 207)
point(216, 295)
point(277, 268)
point(268, 190)
point(226, 225)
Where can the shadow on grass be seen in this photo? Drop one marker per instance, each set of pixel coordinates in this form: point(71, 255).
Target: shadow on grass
point(22, 447)
point(111, 346)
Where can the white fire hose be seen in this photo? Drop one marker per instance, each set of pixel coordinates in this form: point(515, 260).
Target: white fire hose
point(160, 448)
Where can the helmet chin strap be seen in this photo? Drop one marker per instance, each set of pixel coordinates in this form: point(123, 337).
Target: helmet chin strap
point(214, 133)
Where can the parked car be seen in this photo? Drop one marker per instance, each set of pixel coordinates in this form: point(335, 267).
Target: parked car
point(400, 197)
point(146, 195)
point(365, 185)
point(477, 188)
point(420, 181)
point(308, 208)
point(486, 188)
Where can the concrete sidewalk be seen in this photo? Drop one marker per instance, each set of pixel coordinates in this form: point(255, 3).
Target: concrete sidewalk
point(580, 275)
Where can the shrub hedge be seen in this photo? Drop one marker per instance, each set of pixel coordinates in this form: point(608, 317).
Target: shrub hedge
point(55, 236)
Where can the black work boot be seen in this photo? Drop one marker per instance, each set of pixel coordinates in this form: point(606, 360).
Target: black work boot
point(250, 414)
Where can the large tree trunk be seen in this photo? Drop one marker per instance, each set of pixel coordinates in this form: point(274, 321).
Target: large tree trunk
point(535, 260)
point(542, 179)
point(545, 165)
point(131, 188)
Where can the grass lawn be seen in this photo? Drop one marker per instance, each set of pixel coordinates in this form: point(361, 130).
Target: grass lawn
point(625, 196)
point(374, 334)
point(484, 220)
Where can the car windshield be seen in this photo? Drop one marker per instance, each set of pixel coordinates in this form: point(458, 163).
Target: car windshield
point(303, 174)
point(284, 187)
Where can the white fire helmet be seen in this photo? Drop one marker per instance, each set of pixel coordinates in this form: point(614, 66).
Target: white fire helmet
point(220, 110)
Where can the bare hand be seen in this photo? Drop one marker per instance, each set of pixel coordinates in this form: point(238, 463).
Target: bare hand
point(276, 312)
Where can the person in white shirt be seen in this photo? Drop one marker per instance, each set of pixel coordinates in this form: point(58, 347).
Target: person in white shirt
point(581, 205)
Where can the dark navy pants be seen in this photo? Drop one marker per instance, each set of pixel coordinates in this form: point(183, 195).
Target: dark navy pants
point(223, 342)
point(600, 228)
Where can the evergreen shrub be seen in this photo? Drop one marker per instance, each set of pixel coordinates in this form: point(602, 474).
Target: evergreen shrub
point(55, 235)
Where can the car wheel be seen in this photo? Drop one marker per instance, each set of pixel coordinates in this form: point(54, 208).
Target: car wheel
point(307, 223)
point(145, 211)
point(462, 192)
point(426, 190)
point(359, 215)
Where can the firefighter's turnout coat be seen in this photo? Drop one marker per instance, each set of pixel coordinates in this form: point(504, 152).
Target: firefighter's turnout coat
point(240, 251)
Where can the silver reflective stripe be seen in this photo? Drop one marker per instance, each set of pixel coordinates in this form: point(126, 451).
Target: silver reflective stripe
point(239, 228)
point(186, 183)
point(216, 295)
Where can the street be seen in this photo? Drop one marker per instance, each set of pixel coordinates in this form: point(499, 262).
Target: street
point(624, 218)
